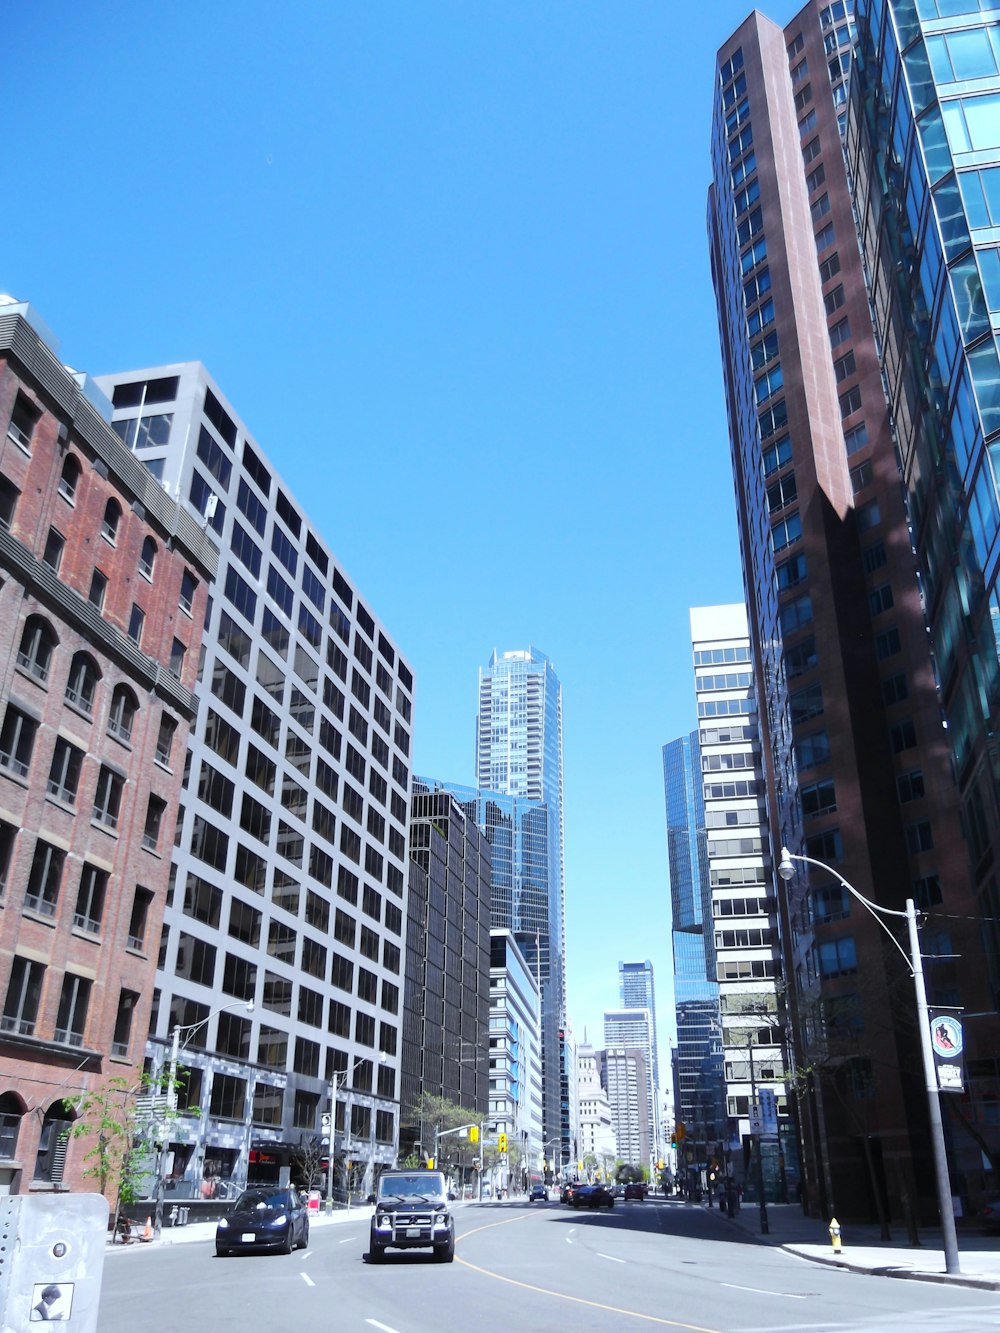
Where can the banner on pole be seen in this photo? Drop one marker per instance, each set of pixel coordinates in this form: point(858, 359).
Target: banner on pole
point(947, 1043)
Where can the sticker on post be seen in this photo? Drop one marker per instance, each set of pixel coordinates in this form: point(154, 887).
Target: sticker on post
point(51, 1302)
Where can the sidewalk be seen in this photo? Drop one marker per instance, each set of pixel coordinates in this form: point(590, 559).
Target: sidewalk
point(194, 1231)
point(863, 1251)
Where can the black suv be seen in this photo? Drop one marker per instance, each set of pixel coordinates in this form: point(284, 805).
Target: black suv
point(411, 1212)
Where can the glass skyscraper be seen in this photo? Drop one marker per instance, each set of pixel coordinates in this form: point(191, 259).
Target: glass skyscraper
point(519, 754)
point(696, 992)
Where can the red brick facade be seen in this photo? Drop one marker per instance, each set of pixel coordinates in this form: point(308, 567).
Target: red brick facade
point(89, 776)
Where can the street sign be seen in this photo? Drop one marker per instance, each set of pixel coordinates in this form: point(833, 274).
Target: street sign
point(768, 1110)
point(756, 1118)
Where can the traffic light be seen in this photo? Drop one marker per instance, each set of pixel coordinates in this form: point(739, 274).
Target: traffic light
point(502, 1142)
point(473, 1133)
point(430, 1163)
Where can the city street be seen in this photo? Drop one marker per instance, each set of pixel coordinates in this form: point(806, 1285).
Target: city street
point(536, 1267)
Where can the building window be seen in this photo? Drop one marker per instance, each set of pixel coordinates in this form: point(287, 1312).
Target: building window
point(81, 688)
point(9, 496)
point(165, 739)
point(98, 587)
point(121, 719)
point(189, 586)
point(147, 559)
point(850, 401)
point(910, 786)
point(23, 421)
point(108, 797)
point(127, 1002)
point(44, 879)
point(109, 524)
point(20, 1009)
point(178, 652)
point(55, 544)
point(155, 811)
point(74, 1000)
point(17, 740)
point(836, 958)
point(902, 736)
point(920, 836)
point(136, 621)
point(139, 919)
point(37, 645)
point(64, 775)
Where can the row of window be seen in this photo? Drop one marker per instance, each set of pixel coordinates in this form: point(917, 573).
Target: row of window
point(23, 1004)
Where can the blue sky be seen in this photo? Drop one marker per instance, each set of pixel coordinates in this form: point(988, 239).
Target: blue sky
point(448, 262)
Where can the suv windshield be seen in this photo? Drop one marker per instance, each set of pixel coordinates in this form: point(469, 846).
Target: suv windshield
point(428, 1185)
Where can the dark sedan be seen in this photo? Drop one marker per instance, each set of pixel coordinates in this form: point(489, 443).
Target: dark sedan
point(264, 1218)
point(593, 1196)
point(569, 1189)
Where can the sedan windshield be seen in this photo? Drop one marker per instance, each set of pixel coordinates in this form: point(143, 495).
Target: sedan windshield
point(251, 1199)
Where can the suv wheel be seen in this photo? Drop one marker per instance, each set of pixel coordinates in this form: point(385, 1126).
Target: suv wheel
point(376, 1252)
point(444, 1254)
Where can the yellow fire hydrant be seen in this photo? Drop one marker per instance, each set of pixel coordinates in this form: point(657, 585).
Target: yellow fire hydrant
point(835, 1235)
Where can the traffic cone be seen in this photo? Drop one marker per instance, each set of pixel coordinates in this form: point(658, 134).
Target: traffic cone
point(147, 1231)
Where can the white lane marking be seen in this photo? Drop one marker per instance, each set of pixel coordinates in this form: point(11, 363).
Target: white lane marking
point(307, 1279)
point(375, 1324)
point(759, 1291)
point(346, 1242)
point(611, 1257)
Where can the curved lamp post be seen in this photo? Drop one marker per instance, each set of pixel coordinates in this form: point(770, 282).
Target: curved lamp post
point(337, 1083)
point(189, 1029)
point(914, 962)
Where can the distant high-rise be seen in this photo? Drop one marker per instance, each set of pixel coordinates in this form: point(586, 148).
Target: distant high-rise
point(633, 1029)
point(698, 1058)
point(519, 754)
point(636, 990)
point(746, 943)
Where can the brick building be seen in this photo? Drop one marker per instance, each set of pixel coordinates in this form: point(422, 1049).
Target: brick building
point(103, 586)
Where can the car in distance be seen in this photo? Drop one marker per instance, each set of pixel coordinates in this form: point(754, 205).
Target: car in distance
point(264, 1217)
point(635, 1190)
point(411, 1212)
point(594, 1196)
point(569, 1189)
point(538, 1192)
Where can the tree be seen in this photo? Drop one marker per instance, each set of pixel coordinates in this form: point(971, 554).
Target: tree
point(308, 1160)
point(115, 1158)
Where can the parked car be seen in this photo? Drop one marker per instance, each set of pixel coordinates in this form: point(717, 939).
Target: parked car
point(594, 1196)
point(538, 1192)
point(411, 1212)
point(989, 1213)
point(264, 1218)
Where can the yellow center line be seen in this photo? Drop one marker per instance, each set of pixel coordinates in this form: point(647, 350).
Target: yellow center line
point(561, 1296)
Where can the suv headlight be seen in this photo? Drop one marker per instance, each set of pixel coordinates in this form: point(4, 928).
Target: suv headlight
point(440, 1220)
point(383, 1222)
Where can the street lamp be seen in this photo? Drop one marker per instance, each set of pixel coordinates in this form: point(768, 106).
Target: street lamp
point(189, 1029)
point(914, 962)
point(337, 1082)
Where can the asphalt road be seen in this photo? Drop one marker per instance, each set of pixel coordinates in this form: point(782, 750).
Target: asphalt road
point(534, 1267)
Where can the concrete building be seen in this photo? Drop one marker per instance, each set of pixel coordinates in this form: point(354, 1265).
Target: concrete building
point(697, 1066)
point(598, 1144)
point(637, 990)
point(857, 766)
point(102, 598)
point(289, 870)
point(625, 1075)
point(515, 1054)
point(519, 754)
point(746, 942)
point(447, 996)
point(632, 1030)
